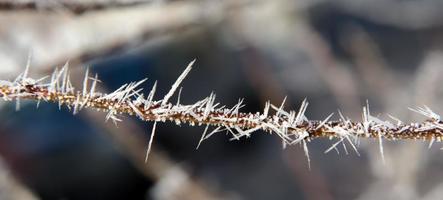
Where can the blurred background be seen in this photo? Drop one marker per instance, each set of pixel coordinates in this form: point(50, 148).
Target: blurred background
point(338, 54)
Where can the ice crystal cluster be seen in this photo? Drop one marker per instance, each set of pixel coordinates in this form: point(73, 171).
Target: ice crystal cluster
point(292, 127)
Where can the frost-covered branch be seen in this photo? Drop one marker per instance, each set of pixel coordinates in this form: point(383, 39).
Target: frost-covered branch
point(292, 127)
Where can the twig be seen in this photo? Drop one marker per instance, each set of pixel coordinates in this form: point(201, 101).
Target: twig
point(291, 126)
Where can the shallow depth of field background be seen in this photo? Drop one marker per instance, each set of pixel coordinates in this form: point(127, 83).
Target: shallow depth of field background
point(337, 54)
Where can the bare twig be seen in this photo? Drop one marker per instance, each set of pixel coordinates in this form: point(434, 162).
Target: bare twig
point(11, 188)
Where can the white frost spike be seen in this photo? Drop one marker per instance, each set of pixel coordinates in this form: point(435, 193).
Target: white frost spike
point(291, 118)
point(148, 101)
point(111, 115)
point(343, 134)
point(94, 85)
point(113, 95)
point(120, 96)
point(301, 112)
point(236, 136)
point(266, 110)
point(150, 142)
point(334, 146)
point(53, 83)
point(139, 100)
point(70, 88)
point(28, 65)
point(84, 102)
point(342, 117)
point(177, 83)
point(17, 104)
point(300, 138)
point(426, 111)
point(136, 110)
point(18, 78)
point(129, 91)
point(115, 119)
point(202, 137)
point(237, 107)
point(366, 113)
point(380, 122)
point(305, 148)
point(324, 121)
point(344, 147)
point(65, 77)
point(380, 146)
point(366, 118)
point(399, 122)
point(216, 130)
point(126, 91)
point(179, 94)
point(57, 79)
point(38, 104)
point(152, 93)
point(248, 132)
point(209, 105)
point(76, 104)
point(41, 79)
point(431, 142)
point(280, 109)
point(85, 82)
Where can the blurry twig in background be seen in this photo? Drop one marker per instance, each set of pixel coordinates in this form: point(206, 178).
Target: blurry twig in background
point(428, 80)
point(10, 188)
point(340, 80)
point(54, 38)
point(376, 75)
point(74, 6)
point(404, 14)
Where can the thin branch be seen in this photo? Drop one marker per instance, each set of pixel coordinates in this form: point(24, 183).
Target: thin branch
point(291, 126)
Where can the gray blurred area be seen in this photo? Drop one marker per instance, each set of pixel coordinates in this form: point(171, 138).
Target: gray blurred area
point(337, 54)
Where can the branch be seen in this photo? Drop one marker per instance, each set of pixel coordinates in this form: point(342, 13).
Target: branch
point(291, 126)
